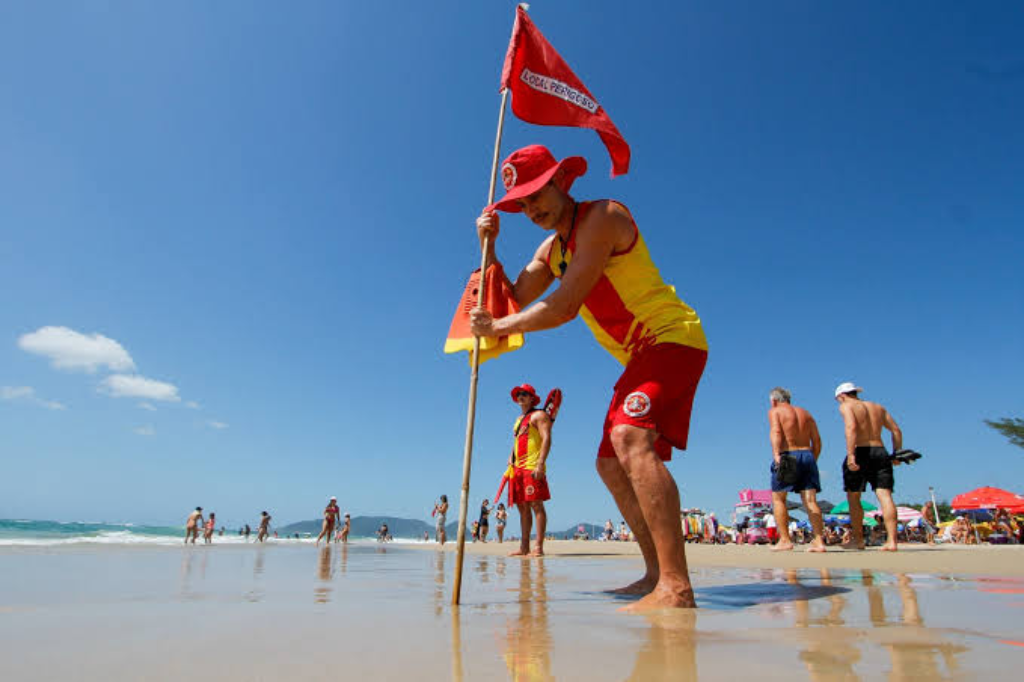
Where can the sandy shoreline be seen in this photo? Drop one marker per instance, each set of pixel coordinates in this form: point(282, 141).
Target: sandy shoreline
point(959, 559)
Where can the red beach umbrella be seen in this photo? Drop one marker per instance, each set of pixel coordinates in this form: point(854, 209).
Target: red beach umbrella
point(989, 498)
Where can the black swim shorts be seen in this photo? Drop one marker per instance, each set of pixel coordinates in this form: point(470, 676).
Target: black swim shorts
point(875, 468)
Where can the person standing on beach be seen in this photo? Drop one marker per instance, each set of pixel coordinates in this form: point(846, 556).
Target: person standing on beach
point(794, 436)
point(208, 529)
point(264, 529)
point(331, 514)
point(867, 461)
point(485, 512)
point(607, 276)
point(500, 515)
point(192, 524)
point(528, 487)
point(441, 512)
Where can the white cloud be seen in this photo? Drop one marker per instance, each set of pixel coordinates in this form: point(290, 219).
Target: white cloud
point(135, 386)
point(28, 394)
point(192, 405)
point(145, 431)
point(147, 406)
point(216, 425)
point(16, 392)
point(68, 349)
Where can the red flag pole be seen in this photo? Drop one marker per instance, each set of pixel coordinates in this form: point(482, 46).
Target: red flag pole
point(467, 455)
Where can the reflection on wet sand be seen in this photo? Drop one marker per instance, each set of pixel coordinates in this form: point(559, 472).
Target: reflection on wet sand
point(439, 598)
point(325, 572)
point(528, 637)
point(830, 647)
point(670, 652)
point(829, 650)
point(914, 649)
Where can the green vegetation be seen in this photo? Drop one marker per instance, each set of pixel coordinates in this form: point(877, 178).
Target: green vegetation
point(1011, 427)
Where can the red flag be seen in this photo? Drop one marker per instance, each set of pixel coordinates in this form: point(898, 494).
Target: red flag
point(545, 91)
point(499, 301)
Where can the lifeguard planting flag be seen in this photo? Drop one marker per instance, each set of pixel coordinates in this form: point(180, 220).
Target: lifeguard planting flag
point(499, 301)
point(545, 91)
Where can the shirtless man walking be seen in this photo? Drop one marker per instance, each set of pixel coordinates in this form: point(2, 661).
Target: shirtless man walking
point(867, 461)
point(607, 276)
point(192, 525)
point(794, 434)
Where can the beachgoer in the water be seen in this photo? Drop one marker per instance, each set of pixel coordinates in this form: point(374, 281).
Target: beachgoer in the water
point(609, 530)
point(331, 513)
point(797, 446)
point(528, 487)
point(346, 528)
point(440, 512)
point(192, 524)
point(264, 529)
point(246, 532)
point(607, 276)
point(867, 461)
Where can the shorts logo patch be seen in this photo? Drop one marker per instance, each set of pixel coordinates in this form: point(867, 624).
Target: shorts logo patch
point(530, 490)
point(636, 404)
point(509, 176)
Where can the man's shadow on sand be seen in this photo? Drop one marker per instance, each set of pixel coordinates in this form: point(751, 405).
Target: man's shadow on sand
point(745, 595)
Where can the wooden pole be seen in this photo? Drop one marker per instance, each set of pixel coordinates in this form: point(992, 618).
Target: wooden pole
point(467, 455)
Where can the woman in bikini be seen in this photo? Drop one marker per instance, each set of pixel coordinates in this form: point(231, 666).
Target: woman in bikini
point(331, 513)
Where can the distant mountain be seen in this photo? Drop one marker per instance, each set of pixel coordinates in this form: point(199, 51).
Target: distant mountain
point(366, 527)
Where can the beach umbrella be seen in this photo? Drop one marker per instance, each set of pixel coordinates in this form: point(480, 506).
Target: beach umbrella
point(907, 514)
point(844, 507)
point(988, 498)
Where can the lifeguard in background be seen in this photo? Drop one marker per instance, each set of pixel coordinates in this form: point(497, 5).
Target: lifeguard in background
point(528, 484)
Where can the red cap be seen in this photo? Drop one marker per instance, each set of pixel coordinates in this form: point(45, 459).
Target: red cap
point(528, 169)
point(525, 388)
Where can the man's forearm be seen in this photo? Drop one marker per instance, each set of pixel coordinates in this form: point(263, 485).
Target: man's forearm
point(537, 317)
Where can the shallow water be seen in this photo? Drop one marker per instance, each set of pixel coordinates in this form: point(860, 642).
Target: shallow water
point(297, 612)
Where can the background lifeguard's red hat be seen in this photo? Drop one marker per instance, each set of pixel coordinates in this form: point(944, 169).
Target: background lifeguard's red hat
point(525, 388)
point(528, 169)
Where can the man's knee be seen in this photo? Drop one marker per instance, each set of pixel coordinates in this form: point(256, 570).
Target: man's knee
point(631, 443)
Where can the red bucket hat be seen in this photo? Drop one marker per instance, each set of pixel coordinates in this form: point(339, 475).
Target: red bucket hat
point(525, 388)
point(528, 169)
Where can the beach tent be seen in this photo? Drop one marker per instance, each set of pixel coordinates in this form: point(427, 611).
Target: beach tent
point(844, 507)
point(988, 498)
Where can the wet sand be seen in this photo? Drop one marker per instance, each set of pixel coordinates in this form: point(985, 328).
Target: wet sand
point(297, 612)
point(911, 558)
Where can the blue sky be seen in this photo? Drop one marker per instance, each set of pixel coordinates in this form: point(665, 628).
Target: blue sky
point(268, 212)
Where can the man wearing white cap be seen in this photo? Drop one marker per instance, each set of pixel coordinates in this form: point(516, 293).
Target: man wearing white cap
point(867, 461)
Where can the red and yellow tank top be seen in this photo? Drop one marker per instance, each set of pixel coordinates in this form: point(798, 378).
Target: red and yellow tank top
point(631, 308)
point(526, 449)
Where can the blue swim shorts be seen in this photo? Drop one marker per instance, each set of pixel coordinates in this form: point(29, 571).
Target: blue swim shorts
point(807, 474)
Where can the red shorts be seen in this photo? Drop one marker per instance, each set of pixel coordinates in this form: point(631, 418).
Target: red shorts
point(523, 487)
point(656, 392)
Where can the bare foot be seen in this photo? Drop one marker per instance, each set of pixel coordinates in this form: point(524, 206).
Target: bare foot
point(519, 552)
point(816, 547)
point(644, 586)
point(853, 545)
point(782, 547)
point(889, 547)
point(537, 552)
point(663, 597)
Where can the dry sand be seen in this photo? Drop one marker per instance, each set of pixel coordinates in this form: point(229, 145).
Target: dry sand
point(911, 558)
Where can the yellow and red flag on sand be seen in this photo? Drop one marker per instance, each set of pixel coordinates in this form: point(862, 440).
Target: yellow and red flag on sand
point(499, 301)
